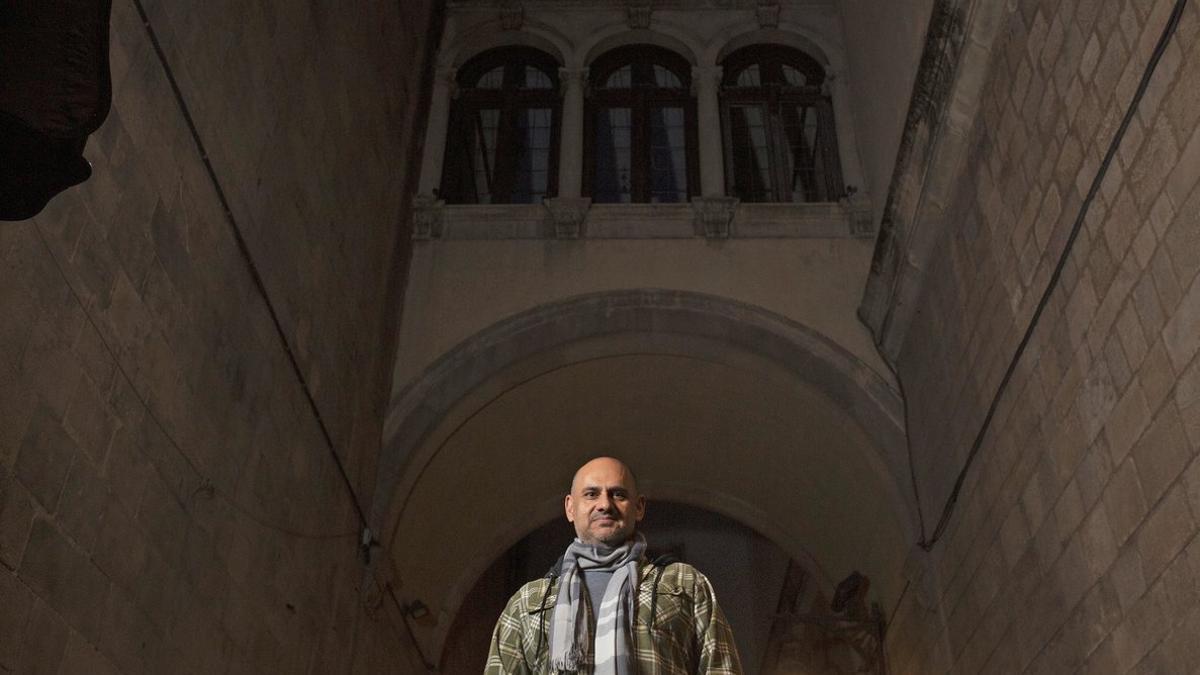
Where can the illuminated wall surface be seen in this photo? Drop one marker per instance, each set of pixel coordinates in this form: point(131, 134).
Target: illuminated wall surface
point(966, 371)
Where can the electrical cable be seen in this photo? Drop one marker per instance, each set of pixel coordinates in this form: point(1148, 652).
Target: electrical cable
point(205, 485)
point(1155, 57)
point(244, 249)
point(411, 635)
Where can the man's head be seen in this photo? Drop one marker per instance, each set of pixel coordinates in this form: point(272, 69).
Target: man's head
point(604, 504)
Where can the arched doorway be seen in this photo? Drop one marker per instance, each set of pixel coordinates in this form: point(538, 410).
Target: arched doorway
point(779, 607)
point(718, 405)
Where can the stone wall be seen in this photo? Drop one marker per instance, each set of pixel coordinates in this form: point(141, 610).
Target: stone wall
point(169, 500)
point(1073, 545)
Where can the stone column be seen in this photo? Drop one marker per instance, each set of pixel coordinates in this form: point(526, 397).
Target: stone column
point(852, 170)
point(433, 155)
point(705, 82)
point(570, 157)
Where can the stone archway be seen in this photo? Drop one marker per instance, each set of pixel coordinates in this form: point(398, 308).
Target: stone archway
point(723, 405)
point(749, 572)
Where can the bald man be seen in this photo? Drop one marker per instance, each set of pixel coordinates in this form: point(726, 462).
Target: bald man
point(605, 609)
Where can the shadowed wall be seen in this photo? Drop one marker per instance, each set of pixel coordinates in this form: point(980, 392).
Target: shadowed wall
point(169, 499)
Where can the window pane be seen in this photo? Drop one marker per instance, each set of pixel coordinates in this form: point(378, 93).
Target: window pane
point(533, 155)
point(668, 161)
point(794, 77)
point(486, 125)
point(751, 154)
point(665, 78)
point(621, 78)
point(749, 77)
point(492, 79)
point(536, 79)
point(613, 165)
point(805, 167)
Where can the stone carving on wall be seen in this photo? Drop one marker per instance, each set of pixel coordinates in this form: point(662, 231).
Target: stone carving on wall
point(568, 214)
point(427, 217)
point(858, 211)
point(638, 16)
point(767, 14)
point(926, 158)
point(819, 637)
point(512, 16)
point(714, 215)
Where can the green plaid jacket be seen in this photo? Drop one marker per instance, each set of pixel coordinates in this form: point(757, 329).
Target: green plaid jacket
point(687, 634)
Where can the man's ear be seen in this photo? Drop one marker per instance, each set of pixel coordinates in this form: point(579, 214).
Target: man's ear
point(641, 508)
point(567, 509)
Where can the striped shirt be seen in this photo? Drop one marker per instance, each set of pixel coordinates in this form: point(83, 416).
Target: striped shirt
point(687, 634)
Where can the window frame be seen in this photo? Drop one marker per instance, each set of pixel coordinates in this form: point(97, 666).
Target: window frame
point(641, 100)
point(509, 99)
point(773, 96)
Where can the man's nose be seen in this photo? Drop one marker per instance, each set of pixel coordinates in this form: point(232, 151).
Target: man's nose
point(604, 502)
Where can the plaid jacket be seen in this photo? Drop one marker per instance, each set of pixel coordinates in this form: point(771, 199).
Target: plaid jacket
point(679, 630)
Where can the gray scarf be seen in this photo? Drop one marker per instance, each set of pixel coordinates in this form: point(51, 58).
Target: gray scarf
point(570, 636)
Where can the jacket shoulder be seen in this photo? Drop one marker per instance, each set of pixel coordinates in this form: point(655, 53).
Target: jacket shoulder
point(534, 596)
point(681, 574)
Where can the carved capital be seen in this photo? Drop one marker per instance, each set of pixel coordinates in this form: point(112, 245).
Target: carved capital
point(427, 216)
point(512, 17)
point(714, 216)
point(706, 76)
point(638, 16)
point(573, 77)
point(858, 208)
point(767, 14)
point(568, 214)
point(446, 77)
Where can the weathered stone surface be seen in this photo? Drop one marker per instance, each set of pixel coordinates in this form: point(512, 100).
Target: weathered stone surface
point(44, 458)
point(1131, 496)
point(42, 642)
point(1166, 530)
point(1182, 332)
point(1129, 418)
point(81, 506)
point(16, 519)
point(137, 354)
point(16, 600)
point(1162, 453)
point(64, 577)
point(81, 657)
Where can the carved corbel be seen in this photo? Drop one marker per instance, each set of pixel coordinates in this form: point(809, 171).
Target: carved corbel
point(427, 216)
point(512, 17)
point(569, 215)
point(714, 216)
point(858, 210)
point(767, 14)
point(638, 16)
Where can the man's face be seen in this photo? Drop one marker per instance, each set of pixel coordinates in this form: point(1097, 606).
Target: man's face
point(604, 504)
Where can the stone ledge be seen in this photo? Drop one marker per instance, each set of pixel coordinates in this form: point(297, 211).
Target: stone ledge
point(642, 221)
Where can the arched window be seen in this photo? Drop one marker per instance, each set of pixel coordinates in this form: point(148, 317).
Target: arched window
point(640, 127)
point(780, 144)
point(503, 142)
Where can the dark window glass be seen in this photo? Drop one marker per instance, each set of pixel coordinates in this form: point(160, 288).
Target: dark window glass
point(614, 138)
point(641, 119)
point(503, 141)
point(780, 144)
point(752, 155)
point(486, 123)
point(668, 159)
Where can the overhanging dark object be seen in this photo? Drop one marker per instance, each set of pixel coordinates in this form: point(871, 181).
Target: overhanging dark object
point(55, 90)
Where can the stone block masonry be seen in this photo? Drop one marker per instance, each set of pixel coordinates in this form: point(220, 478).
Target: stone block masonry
point(1093, 549)
point(168, 500)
